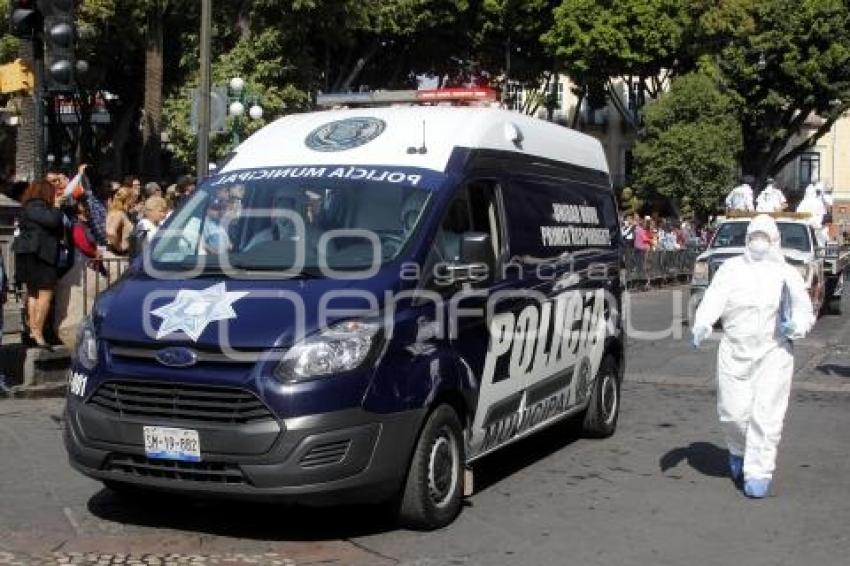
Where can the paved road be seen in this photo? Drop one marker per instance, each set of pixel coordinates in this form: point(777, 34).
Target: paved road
point(660, 352)
point(656, 493)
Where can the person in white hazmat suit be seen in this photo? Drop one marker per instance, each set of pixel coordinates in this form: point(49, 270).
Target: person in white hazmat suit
point(763, 304)
point(813, 204)
point(771, 199)
point(740, 198)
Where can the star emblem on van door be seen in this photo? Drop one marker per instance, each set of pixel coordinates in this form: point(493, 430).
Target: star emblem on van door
point(192, 311)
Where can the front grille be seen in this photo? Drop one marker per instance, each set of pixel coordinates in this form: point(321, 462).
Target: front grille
point(140, 466)
point(325, 454)
point(180, 402)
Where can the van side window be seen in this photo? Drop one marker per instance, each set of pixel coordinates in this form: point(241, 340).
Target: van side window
point(474, 209)
point(554, 216)
point(485, 212)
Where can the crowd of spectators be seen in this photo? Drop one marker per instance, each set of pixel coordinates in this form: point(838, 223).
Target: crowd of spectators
point(70, 225)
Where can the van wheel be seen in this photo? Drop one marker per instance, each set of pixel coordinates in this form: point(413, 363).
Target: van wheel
point(603, 410)
point(833, 301)
point(834, 306)
point(433, 492)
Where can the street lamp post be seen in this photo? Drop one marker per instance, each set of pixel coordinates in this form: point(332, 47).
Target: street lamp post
point(239, 96)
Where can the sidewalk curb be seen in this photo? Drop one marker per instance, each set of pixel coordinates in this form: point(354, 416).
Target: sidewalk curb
point(45, 391)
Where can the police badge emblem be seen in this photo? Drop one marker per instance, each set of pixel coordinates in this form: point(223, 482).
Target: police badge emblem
point(345, 134)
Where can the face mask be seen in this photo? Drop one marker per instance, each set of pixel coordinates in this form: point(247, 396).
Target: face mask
point(758, 247)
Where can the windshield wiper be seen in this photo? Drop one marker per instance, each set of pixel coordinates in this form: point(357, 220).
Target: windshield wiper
point(289, 272)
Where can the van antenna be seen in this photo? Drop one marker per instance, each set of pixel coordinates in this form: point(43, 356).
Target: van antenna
point(420, 150)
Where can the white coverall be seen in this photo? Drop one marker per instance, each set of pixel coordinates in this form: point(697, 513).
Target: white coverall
point(813, 204)
point(740, 198)
point(770, 199)
point(755, 361)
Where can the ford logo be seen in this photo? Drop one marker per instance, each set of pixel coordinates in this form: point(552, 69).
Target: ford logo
point(177, 357)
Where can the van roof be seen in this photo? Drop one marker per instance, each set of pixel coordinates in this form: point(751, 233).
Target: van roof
point(283, 142)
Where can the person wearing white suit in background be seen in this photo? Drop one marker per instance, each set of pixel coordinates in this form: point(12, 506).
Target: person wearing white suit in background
point(771, 199)
point(813, 205)
point(740, 198)
point(763, 305)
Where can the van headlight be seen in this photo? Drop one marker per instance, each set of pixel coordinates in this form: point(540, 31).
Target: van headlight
point(339, 348)
point(87, 345)
point(700, 275)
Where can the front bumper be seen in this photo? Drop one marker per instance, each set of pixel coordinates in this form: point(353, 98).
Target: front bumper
point(343, 456)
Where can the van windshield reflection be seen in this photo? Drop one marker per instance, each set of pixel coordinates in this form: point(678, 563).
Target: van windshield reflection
point(281, 224)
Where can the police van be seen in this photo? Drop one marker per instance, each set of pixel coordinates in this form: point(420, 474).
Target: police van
point(357, 306)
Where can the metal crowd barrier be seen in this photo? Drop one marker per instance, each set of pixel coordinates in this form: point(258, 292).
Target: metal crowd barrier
point(658, 267)
point(99, 275)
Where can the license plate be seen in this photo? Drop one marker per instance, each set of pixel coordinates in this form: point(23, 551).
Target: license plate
point(172, 443)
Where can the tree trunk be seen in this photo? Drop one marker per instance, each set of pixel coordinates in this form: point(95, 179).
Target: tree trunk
point(577, 114)
point(28, 153)
point(121, 133)
point(152, 113)
point(618, 106)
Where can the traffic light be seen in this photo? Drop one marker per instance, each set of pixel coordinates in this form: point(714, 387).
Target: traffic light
point(59, 39)
point(23, 18)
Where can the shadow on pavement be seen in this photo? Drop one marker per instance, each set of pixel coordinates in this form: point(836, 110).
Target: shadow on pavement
point(705, 457)
point(255, 521)
point(492, 469)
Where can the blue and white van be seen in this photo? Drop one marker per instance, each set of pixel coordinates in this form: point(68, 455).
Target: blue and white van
point(358, 305)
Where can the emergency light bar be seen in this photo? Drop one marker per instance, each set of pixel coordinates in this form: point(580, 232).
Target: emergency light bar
point(384, 97)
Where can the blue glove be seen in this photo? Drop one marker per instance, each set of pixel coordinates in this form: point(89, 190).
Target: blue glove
point(698, 334)
point(788, 328)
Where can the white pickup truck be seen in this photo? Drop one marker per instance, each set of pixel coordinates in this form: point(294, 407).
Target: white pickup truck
point(800, 247)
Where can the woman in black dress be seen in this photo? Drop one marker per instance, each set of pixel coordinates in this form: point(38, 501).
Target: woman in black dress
point(37, 250)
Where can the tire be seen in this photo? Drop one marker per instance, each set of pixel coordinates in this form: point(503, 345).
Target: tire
point(603, 410)
point(834, 307)
point(433, 492)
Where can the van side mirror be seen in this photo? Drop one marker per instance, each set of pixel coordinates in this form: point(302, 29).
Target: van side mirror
point(477, 261)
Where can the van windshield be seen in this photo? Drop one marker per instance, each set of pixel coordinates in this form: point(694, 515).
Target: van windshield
point(272, 224)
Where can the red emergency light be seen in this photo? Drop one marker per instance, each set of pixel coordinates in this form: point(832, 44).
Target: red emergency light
point(429, 96)
point(457, 94)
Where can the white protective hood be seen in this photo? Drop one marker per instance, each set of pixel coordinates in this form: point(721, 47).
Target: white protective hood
point(766, 225)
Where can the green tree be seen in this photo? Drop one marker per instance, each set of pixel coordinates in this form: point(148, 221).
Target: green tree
point(783, 61)
point(506, 42)
point(288, 52)
point(640, 41)
point(690, 144)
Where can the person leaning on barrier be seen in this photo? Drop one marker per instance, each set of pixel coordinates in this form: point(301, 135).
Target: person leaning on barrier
point(118, 223)
point(643, 244)
point(155, 211)
point(37, 254)
point(82, 237)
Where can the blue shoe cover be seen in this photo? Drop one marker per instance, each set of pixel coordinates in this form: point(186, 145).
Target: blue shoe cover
point(757, 488)
point(736, 466)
